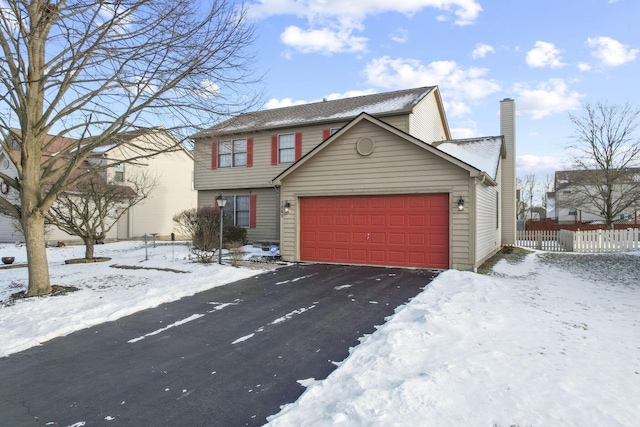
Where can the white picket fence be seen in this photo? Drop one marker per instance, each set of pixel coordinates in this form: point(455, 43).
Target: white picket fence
point(589, 241)
point(544, 240)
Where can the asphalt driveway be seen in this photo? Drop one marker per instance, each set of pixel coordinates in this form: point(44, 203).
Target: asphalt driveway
point(230, 356)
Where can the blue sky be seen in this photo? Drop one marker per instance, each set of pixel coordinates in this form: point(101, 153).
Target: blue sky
point(551, 56)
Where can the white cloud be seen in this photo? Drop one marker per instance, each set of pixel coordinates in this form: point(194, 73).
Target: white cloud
point(209, 89)
point(400, 36)
point(611, 52)
point(583, 66)
point(278, 103)
point(325, 40)
point(549, 97)
point(458, 85)
point(456, 108)
point(544, 54)
point(482, 50)
point(288, 102)
point(465, 11)
point(531, 163)
point(333, 23)
point(463, 133)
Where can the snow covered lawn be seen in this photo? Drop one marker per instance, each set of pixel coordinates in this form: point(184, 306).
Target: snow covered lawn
point(553, 339)
point(106, 293)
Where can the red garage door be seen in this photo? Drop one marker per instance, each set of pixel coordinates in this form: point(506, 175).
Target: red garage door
point(399, 230)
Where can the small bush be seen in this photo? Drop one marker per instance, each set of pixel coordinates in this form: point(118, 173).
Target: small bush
point(236, 252)
point(233, 235)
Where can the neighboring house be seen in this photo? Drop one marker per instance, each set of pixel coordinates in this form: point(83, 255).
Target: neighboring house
point(174, 193)
point(570, 205)
point(372, 180)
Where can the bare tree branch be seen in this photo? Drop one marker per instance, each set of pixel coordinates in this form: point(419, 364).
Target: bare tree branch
point(90, 70)
point(605, 180)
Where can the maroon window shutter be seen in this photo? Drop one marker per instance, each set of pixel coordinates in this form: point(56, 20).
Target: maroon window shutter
point(274, 149)
point(252, 211)
point(298, 150)
point(249, 152)
point(216, 208)
point(214, 154)
point(326, 133)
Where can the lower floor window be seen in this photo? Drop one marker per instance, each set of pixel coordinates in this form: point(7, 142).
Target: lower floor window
point(237, 209)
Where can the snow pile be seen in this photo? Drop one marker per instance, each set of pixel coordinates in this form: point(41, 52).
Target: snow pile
point(106, 293)
point(533, 345)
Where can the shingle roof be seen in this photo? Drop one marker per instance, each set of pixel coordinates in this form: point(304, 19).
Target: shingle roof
point(401, 101)
point(481, 153)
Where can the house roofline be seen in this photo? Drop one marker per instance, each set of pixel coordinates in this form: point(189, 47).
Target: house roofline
point(473, 171)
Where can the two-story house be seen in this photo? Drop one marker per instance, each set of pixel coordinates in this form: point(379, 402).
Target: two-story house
point(579, 196)
point(173, 171)
point(373, 180)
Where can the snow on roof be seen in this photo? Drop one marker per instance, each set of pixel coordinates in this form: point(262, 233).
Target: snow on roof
point(346, 108)
point(481, 153)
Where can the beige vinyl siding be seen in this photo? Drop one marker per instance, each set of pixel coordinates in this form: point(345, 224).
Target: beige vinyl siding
point(262, 171)
point(395, 167)
point(487, 229)
point(174, 193)
point(267, 210)
point(425, 123)
point(508, 193)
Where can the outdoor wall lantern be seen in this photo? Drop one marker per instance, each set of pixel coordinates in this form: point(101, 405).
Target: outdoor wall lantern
point(221, 204)
point(461, 204)
point(287, 207)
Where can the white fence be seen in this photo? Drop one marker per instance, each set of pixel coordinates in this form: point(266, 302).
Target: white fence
point(545, 240)
point(589, 241)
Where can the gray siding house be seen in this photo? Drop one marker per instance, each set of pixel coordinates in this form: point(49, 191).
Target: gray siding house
point(374, 180)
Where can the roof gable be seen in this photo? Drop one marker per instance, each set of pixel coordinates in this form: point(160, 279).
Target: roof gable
point(398, 102)
point(366, 117)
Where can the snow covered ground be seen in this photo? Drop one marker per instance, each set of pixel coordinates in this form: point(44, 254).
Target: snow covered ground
point(553, 339)
point(106, 293)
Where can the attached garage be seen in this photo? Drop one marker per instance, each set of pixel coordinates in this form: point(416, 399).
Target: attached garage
point(393, 230)
point(400, 202)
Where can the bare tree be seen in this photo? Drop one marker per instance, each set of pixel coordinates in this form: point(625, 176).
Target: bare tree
point(546, 186)
point(90, 70)
point(94, 206)
point(606, 160)
point(528, 190)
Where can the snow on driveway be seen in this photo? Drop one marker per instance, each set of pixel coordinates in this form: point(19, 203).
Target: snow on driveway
point(553, 340)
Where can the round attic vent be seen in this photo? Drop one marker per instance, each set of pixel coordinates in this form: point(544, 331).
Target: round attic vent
point(365, 146)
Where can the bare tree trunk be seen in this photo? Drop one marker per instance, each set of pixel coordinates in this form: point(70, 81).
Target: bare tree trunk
point(39, 281)
point(88, 247)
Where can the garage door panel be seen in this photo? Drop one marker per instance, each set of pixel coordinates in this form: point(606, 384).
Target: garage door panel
point(397, 220)
point(397, 230)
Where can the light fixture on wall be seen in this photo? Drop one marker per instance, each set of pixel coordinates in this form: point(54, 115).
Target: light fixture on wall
point(287, 206)
point(461, 204)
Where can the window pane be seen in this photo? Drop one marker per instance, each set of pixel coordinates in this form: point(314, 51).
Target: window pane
point(242, 211)
point(224, 154)
point(224, 160)
point(240, 152)
point(240, 159)
point(286, 148)
point(224, 147)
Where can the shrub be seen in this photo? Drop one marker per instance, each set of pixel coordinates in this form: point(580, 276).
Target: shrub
point(233, 234)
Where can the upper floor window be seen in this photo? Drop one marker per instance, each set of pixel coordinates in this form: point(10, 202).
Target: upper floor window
point(286, 148)
point(333, 130)
point(118, 174)
point(232, 153)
